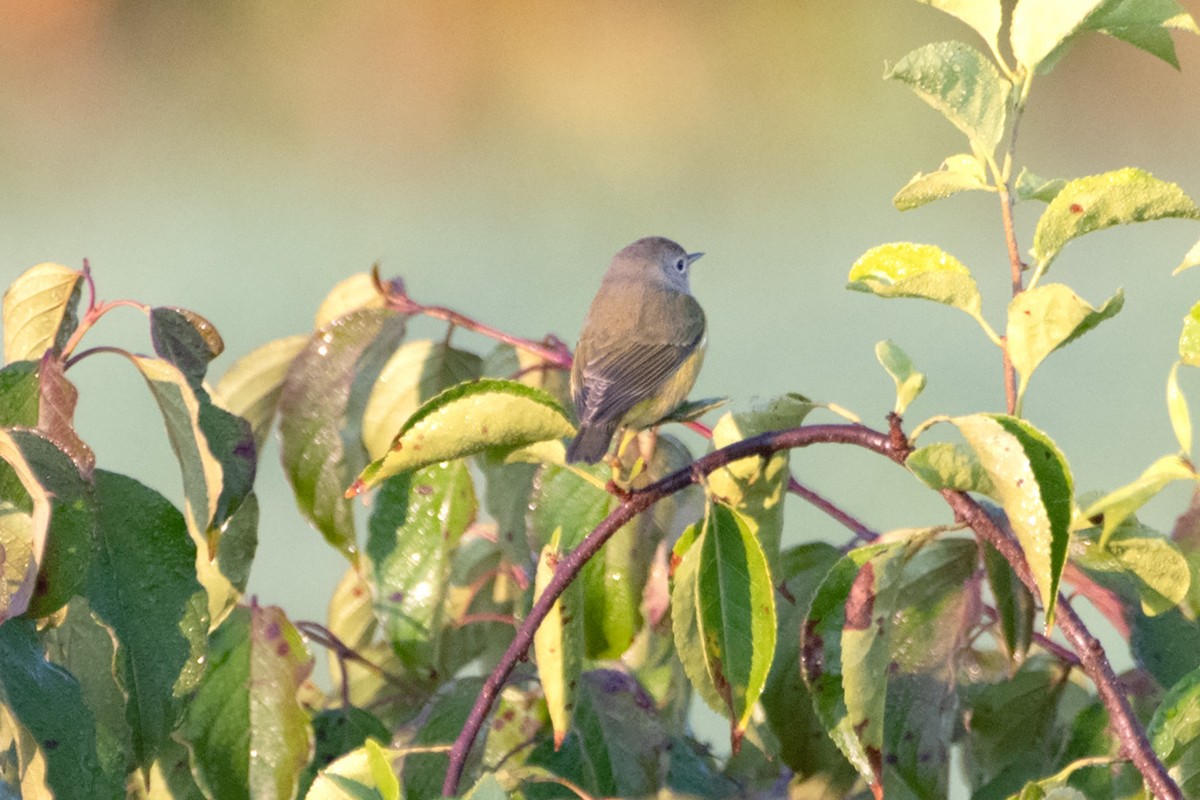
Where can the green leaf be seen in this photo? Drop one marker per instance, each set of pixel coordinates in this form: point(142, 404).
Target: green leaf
point(960, 173)
point(416, 372)
point(1189, 338)
point(68, 549)
point(1177, 410)
point(756, 487)
point(423, 772)
point(142, 583)
point(618, 741)
point(252, 386)
point(1014, 604)
point(1101, 201)
point(1039, 26)
point(840, 644)
point(321, 446)
point(1118, 504)
point(558, 643)
point(48, 701)
point(338, 731)
point(1033, 187)
point(86, 648)
point(249, 734)
point(466, 419)
point(1033, 484)
point(909, 382)
point(903, 269)
point(25, 510)
point(19, 394)
point(1158, 570)
point(39, 311)
point(963, 84)
point(1045, 318)
point(614, 579)
point(724, 615)
point(691, 410)
point(982, 15)
point(1143, 24)
point(186, 339)
point(804, 747)
point(1174, 733)
point(944, 465)
point(362, 774)
point(1018, 727)
point(203, 475)
point(1190, 259)
point(415, 527)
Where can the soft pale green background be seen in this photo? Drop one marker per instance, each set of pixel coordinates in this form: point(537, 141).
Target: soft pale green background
point(238, 158)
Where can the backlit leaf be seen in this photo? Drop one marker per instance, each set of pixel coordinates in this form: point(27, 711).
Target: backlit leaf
point(1033, 187)
point(1045, 318)
point(1153, 563)
point(1189, 338)
point(1177, 410)
point(416, 372)
point(963, 84)
point(252, 386)
point(558, 643)
point(982, 15)
point(24, 523)
point(1039, 26)
point(944, 465)
point(39, 311)
point(959, 173)
point(1032, 483)
point(321, 446)
point(1101, 201)
point(467, 419)
point(903, 269)
point(909, 382)
point(1118, 504)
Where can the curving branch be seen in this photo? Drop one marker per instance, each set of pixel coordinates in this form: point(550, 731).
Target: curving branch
point(1091, 654)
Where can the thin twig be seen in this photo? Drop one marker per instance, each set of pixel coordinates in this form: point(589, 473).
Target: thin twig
point(551, 349)
point(861, 532)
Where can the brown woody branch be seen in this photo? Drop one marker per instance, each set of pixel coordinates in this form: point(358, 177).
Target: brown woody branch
point(1091, 654)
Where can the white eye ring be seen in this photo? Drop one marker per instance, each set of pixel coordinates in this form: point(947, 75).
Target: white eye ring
point(681, 264)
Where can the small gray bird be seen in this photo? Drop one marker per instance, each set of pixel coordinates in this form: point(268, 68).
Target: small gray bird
point(641, 345)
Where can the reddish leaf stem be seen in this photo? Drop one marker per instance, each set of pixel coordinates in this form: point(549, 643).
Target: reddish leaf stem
point(551, 349)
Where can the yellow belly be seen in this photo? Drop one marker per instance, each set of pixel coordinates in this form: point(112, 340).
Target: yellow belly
point(674, 391)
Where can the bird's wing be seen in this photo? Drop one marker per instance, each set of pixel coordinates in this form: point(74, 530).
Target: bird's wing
point(614, 380)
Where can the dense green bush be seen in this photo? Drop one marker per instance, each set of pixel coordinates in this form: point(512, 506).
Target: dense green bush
point(132, 665)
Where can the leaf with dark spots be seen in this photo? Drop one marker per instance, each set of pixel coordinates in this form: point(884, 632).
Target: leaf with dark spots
point(861, 603)
point(186, 339)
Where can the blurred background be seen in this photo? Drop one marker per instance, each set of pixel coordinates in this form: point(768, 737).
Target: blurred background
point(239, 158)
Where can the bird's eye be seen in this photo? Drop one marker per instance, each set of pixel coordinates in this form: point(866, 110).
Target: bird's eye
point(681, 264)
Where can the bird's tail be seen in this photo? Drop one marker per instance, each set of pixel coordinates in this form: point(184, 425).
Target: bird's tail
point(590, 444)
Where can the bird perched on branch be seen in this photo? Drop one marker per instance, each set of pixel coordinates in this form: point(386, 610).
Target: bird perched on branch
point(641, 346)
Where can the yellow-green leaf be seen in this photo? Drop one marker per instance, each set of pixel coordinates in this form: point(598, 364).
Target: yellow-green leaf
point(1033, 484)
point(1190, 259)
point(1101, 201)
point(1118, 504)
point(982, 15)
point(963, 84)
point(416, 372)
point(39, 310)
point(904, 269)
point(960, 173)
point(251, 387)
point(1045, 318)
point(1189, 338)
point(909, 382)
point(351, 294)
point(465, 419)
point(1039, 26)
point(24, 523)
point(945, 465)
point(1158, 570)
point(558, 642)
point(1177, 409)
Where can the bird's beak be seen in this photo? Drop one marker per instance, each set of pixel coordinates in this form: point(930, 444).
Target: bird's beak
point(692, 257)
